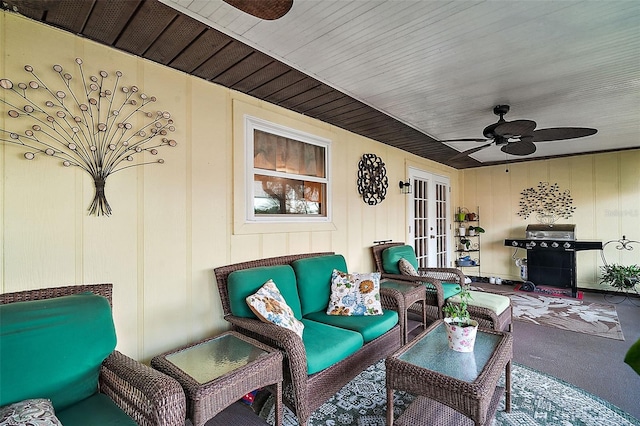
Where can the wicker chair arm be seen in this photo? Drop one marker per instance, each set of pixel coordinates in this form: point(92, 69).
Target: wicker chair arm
point(444, 274)
point(148, 396)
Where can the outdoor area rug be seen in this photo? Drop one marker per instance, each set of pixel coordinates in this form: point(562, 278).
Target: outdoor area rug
point(560, 312)
point(537, 399)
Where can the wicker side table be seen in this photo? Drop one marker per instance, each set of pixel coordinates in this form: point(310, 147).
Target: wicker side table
point(442, 378)
point(405, 294)
point(218, 371)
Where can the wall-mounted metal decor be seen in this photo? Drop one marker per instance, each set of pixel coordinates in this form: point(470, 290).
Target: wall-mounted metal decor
point(372, 179)
point(90, 126)
point(547, 202)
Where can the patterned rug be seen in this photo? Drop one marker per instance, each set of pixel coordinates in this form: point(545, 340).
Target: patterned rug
point(537, 399)
point(561, 312)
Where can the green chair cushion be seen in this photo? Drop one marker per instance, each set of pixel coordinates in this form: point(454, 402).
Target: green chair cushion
point(314, 280)
point(448, 289)
point(325, 345)
point(245, 282)
point(392, 255)
point(97, 410)
point(370, 326)
point(494, 302)
point(53, 348)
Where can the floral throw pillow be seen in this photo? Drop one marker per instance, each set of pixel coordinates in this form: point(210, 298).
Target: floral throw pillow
point(354, 294)
point(32, 412)
point(406, 268)
point(269, 305)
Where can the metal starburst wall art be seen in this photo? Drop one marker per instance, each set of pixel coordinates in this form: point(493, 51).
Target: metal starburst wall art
point(547, 202)
point(92, 130)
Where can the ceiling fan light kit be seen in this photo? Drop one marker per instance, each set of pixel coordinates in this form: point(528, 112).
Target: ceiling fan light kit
point(518, 137)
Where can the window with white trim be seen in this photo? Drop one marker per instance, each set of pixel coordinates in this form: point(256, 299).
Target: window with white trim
point(288, 179)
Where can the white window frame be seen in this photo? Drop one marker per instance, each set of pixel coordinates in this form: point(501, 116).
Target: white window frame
point(250, 125)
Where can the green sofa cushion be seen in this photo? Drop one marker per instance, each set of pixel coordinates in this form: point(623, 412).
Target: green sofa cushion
point(97, 410)
point(370, 326)
point(53, 348)
point(392, 255)
point(245, 282)
point(314, 280)
point(325, 345)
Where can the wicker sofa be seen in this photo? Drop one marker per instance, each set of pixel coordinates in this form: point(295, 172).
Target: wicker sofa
point(58, 344)
point(325, 358)
point(443, 284)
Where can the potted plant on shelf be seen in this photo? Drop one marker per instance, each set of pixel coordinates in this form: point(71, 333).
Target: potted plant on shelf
point(461, 329)
point(475, 229)
point(624, 278)
point(465, 243)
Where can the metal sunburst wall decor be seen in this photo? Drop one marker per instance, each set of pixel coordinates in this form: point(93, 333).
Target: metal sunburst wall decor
point(547, 202)
point(92, 130)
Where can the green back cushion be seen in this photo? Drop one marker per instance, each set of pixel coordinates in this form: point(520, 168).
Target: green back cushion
point(53, 348)
point(392, 255)
point(314, 280)
point(245, 282)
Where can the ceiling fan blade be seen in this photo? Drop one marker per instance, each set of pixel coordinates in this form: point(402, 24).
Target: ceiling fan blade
point(469, 151)
point(263, 9)
point(523, 147)
point(515, 128)
point(465, 140)
point(560, 133)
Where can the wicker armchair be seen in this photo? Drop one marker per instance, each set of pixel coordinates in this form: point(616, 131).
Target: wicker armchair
point(303, 393)
point(433, 278)
point(149, 397)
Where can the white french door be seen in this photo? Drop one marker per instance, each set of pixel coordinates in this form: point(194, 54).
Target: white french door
point(429, 218)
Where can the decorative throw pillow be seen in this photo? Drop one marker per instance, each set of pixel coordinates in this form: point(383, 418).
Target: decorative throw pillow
point(354, 294)
point(32, 412)
point(406, 268)
point(269, 305)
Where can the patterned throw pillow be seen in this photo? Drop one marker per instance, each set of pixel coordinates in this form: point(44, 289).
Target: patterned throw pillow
point(354, 294)
point(36, 412)
point(406, 268)
point(269, 305)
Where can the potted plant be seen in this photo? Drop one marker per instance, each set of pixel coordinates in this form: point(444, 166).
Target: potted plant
point(622, 277)
point(475, 229)
point(462, 230)
point(465, 243)
point(461, 329)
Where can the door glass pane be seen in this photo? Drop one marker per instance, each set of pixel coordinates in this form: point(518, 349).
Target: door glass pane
point(421, 221)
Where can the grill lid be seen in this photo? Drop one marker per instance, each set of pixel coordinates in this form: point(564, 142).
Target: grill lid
point(563, 232)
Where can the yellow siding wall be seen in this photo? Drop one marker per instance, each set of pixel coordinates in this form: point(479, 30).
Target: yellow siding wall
point(606, 193)
point(171, 223)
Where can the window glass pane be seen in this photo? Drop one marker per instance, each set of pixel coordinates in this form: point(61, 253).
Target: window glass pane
point(274, 195)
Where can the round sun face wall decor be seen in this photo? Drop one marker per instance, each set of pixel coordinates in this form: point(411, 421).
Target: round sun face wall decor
point(372, 179)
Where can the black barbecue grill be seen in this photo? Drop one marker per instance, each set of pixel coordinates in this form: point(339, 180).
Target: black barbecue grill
point(551, 254)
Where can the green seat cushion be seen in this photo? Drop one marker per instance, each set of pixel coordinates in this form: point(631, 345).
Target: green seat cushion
point(494, 302)
point(449, 289)
point(97, 410)
point(313, 275)
point(370, 326)
point(245, 282)
point(53, 348)
point(325, 345)
point(392, 255)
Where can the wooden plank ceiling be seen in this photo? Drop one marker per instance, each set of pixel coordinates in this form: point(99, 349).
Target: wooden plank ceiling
point(152, 30)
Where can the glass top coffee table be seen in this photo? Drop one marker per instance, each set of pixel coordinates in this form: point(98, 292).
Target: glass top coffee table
point(218, 371)
point(450, 385)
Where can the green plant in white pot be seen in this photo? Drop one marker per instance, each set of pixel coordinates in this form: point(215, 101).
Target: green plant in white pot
point(473, 230)
point(461, 329)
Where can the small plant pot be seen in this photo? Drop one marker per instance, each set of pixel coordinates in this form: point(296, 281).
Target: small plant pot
point(472, 232)
point(461, 338)
point(462, 231)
